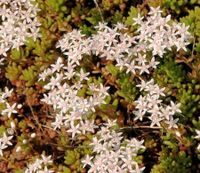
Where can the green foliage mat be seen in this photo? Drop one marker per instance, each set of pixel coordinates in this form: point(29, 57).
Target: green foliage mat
point(167, 151)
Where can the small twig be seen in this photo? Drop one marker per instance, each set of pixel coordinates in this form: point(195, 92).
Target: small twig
point(140, 127)
point(51, 128)
point(100, 12)
point(35, 118)
point(146, 127)
point(193, 45)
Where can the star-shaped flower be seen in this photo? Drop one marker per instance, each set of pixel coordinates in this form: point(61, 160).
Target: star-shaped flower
point(9, 109)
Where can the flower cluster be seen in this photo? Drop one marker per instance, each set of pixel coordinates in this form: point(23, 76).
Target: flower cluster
point(40, 165)
point(71, 110)
point(137, 55)
point(112, 153)
point(151, 104)
point(10, 109)
point(17, 22)
point(134, 54)
point(5, 141)
point(113, 44)
point(109, 43)
point(7, 110)
point(156, 35)
point(73, 45)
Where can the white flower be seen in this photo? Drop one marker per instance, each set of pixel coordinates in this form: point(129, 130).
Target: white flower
point(9, 109)
point(69, 73)
point(142, 103)
point(7, 93)
point(74, 129)
point(135, 144)
point(172, 123)
point(39, 164)
point(155, 120)
point(30, 168)
point(153, 101)
point(181, 29)
point(57, 66)
point(155, 110)
point(153, 63)
point(110, 123)
point(155, 11)
point(166, 112)
point(44, 74)
point(157, 91)
point(143, 85)
point(138, 20)
point(102, 91)
point(102, 26)
point(143, 68)
point(141, 59)
point(87, 126)
point(175, 107)
point(58, 121)
point(139, 114)
point(128, 163)
point(87, 161)
point(5, 139)
point(4, 142)
point(54, 81)
point(120, 26)
point(82, 75)
point(93, 169)
point(131, 67)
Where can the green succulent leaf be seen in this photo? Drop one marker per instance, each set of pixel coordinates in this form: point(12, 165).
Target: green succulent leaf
point(13, 71)
point(29, 75)
point(70, 157)
point(66, 170)
point(132, 14)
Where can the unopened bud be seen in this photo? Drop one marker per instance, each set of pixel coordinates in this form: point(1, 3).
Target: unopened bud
point(12, 124)
point(18, 149)
point(33, 135)
point(19, 106)
point(24, 141)
point(178, 133)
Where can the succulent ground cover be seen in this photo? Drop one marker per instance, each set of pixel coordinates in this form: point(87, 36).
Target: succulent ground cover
point(99, 86)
